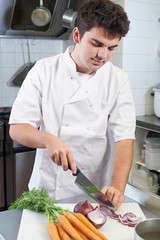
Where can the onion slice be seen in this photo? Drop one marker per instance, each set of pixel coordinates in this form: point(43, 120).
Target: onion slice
point(128, 218)
point(97, 218)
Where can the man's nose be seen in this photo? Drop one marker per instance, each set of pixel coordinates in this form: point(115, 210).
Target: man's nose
point(103, 52)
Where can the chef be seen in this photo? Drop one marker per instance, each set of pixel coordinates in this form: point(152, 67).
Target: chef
point(69, 103)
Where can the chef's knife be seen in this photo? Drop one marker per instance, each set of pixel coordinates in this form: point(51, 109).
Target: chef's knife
point(88, 187)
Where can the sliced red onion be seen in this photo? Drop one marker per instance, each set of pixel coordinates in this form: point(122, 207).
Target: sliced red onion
point(129, 218)
point(97, 218)
point(109, 213)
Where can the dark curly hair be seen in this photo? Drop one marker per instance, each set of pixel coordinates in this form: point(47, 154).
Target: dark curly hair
point(105, 14)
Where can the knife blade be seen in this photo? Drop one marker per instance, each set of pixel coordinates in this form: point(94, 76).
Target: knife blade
point(89, 188)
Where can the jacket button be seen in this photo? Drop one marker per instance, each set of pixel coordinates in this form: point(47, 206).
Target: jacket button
point(85, 149)
point(67, 124)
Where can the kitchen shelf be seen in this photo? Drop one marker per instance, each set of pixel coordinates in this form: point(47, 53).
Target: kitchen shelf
point(148, 122)
point(144, 165)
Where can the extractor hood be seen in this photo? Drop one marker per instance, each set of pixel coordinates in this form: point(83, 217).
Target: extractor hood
point(15, 18)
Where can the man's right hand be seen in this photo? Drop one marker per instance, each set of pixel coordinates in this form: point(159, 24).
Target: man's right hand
point(60, 153)
point(57, 150)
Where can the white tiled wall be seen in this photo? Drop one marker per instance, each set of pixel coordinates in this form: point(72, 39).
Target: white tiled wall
point(14, 54)
point(137, 54)
point(140, 51)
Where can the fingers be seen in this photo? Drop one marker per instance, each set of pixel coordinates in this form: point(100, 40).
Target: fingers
point(61, 154)
point(68, 158)
point(71, 162)
point(62, 158)
point(114, 195)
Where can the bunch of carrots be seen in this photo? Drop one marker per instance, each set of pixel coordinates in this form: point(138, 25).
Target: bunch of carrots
point(75, 226)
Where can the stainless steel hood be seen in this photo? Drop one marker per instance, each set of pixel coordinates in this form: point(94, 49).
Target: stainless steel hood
point(15, 18)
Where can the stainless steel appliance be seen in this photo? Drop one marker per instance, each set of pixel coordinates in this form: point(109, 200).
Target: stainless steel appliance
point(2, 193)
point(16, 18)
point(16, 163)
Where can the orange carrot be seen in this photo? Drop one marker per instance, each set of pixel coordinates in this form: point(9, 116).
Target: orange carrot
point(52, 231)
point(65, 224)
point(81, 226)
point(63, 235)
point(84, 237)
point(87, 223)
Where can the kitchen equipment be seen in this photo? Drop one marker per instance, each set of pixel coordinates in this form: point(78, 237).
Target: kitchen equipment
point(152, 153)
point(1, 237)
point(22, 72)
point(112, 229)
point(41, 16)
point(145, 179)
point(88, 187)
point(15, 18)
point(69, 17)
point(145, 198)
point(157, 100)
point(148, 230)
point(16, 163)
point(2, 174)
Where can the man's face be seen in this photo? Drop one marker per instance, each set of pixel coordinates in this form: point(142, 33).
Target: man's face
point(93, 50)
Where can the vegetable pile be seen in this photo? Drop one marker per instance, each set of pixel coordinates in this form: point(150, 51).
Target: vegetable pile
point(62, 223)
point(98, 215)
point(81, 224)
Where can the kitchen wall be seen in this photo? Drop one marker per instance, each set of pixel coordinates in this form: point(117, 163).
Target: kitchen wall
point(14, 54)
point(140, 51)
point(137, 54)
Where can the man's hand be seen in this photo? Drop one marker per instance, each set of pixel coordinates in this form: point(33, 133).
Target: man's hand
point(57, 150)
point(114, 195)
point(122, 163)
point(60, 153)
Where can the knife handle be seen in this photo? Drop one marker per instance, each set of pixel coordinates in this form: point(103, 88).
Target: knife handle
point(69, 167)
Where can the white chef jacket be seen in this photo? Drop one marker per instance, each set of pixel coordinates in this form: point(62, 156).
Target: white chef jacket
point(79, 109)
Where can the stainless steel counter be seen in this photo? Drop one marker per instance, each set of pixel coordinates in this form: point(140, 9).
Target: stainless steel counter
point(148, 122)
point(10, 219)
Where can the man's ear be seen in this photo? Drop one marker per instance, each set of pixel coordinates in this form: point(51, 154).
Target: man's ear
point(76, 35)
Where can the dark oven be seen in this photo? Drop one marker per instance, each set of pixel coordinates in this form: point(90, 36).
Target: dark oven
point(16, 164)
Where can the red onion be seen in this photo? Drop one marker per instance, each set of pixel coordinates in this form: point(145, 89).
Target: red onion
point(83, 207)
point(96, 217)
point(129, 218)
point(109, 213)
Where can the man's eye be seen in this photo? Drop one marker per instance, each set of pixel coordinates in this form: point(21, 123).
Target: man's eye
point(96, 44)
point(111, 49)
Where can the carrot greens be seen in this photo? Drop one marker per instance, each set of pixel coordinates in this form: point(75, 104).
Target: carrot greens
point(39, 200)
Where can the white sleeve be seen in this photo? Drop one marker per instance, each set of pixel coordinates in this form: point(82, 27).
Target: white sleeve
point(122, 120)
point(27, 106)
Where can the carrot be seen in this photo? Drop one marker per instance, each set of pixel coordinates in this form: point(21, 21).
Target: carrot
point(84, 237)
point(81, 226)
point(85, 221)
point(65, 224)
point(63, 235)
point(52, 231)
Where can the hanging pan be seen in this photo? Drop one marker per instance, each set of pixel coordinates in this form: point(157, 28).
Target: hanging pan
point(41, 16)
point(69, 17)
point(20, 75)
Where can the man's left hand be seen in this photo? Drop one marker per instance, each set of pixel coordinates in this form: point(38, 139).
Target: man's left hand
point(114, 195)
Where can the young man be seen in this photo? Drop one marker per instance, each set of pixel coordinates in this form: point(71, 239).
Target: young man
point(69, 102)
